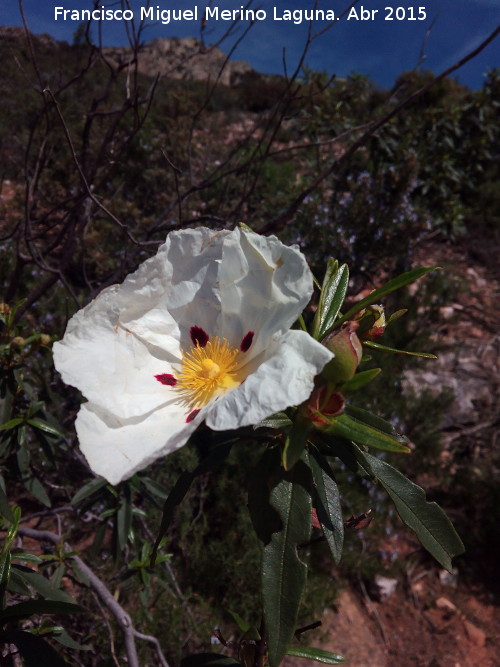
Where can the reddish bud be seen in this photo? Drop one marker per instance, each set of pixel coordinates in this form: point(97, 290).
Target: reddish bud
point(347, 348)
point(324, 405)
point(372, 323)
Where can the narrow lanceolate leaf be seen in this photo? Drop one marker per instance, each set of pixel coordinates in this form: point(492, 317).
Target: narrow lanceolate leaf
point(295, 443)
point(174, 499)
point(12, 423)
point(384, 348)
point(279, 421)
point(431, 525)
point(359, 380)
point(243, 625)
point(328, 503)
point(374, 420)
point(89, 489)
point(5, 564)
point(396, 315)
point(391, 286)
point(42, 585)
point(44, 426)
point(283, 573)
point(350, 428)
point(331, 299)
point(124, 519)
point(63, 638)
point(316, 654)
point(5, 510)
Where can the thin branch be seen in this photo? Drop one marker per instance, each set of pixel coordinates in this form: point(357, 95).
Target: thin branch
point(99, 587)
point(83, 178)
point(281, 220)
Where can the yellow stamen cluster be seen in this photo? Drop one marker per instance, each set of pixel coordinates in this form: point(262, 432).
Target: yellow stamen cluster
point(208, 372)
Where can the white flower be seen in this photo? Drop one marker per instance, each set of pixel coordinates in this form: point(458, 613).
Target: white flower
point(198, 332)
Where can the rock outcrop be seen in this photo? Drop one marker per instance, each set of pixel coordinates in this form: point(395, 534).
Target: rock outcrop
point(187, 59)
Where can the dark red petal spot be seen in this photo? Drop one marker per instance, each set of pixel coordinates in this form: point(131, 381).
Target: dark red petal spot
point(198, 336)
point(166, 378)
point(247, 341)
point(191, 416)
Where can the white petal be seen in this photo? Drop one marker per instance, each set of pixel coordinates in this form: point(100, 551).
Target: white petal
point(264, 286)
point(228, 283)
point(285, 378)
point(116, 449)
point(109, 365)
point(181, 280)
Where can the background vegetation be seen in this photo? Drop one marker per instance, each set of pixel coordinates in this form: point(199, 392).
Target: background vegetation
point(98, 165)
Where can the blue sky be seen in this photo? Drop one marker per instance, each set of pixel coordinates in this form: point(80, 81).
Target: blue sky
point(380, 48)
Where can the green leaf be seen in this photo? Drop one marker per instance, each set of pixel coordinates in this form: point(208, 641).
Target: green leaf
point(317, 654)
point(283, 573)
point(5, 510)
point(12, 423)
point(359, 380)
point(31, 483)
point(154, 488)
point(17, 585)
point(431, 525)
point(396, 315)
point(35, 651)
point(279, 421)
point(265, 519)
point(328, 503)
point(79, 574)
point(374, 420)
point(174, 499)
point(42, 585)
point(5, 570)
point(384, 348)
point(44, 426)
point(11, 533)
point(31, 607)
point(64, 638)
point(34, 486)
point(209, 660)
point(240, 622)
point(26, 558)
point(349, 428)
point(57, 575)
point(124, 518)
point(89, 489)
point(332, 297)
point(391, 286)
point(295, 443)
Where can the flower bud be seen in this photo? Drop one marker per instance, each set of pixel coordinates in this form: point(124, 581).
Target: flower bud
point(44, 339)
point(372, 323)
point(323, 405)
point(347, 348)
point(18, 341)
point(4, 309)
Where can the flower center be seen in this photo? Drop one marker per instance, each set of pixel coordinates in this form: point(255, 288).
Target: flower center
point(208, 372)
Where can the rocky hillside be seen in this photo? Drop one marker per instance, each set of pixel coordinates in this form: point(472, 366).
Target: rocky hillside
point(187, 59)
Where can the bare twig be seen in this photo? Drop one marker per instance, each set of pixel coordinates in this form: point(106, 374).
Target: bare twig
point(99, 587)
point(281, 220)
